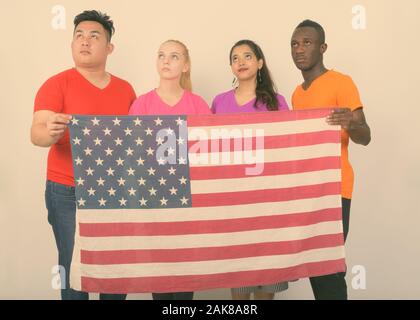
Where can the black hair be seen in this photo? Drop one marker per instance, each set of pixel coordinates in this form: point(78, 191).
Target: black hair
point(97, 16)
point(318, 28)
point(266, 90)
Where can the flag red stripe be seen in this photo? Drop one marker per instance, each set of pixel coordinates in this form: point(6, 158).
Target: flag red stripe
point(206, 254)
point(260, 117)
point(206, 226)
point(262, 196)
point(270, 169)
point(270, 142)
point(212, 281)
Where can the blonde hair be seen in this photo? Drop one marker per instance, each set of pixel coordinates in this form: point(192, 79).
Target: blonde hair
point(185, 80)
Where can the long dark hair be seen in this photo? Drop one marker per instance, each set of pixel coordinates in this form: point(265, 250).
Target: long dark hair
point(266, 90)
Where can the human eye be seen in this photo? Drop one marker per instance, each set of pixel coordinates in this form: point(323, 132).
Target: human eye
point(234, 59)
point(175, 57)
point(308, 42)
point(248, 56)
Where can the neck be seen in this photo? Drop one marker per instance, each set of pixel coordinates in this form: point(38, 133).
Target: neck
point(170, 87)
point(310, 75)
point(93, 74)
point(247, 87)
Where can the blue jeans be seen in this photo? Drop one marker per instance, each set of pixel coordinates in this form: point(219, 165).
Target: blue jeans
point(61, 205)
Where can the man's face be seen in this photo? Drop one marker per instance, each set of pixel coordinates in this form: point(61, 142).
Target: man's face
point(306, 48)
point(90, 45)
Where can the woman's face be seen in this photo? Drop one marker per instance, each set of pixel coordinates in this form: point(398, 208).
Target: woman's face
point(171, 61)
point(244, 63)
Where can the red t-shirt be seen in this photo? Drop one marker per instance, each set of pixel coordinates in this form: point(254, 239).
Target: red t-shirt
point(70, 93)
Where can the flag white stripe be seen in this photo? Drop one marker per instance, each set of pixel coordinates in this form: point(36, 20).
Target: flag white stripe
point(204, 159)
point(259, 129)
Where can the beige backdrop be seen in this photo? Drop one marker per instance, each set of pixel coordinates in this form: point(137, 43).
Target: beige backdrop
point(382, 59)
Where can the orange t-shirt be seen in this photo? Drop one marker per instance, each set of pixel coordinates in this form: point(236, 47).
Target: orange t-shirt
point(332, 90)
point(70, 93)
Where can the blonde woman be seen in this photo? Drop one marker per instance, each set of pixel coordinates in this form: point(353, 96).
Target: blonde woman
point(173, 96)
point(174, 93)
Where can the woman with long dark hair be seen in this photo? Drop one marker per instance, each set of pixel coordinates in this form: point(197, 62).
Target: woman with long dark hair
point(254, 91)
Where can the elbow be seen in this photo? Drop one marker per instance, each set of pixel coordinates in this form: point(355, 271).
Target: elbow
point(36, 140)
point(33, 138)
point(366, 143)
point(36, 143)
point(367, 140)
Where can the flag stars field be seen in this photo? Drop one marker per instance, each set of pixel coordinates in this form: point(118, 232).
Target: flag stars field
point(123, 150)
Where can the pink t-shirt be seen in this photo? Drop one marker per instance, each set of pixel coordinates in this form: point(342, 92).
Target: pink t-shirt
point(151, 104)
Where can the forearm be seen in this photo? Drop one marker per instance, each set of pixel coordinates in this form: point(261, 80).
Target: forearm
point(359, 133)
point(40, 136)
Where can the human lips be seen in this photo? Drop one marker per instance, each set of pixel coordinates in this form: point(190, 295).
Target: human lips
point(300, 59)
point(242, 69)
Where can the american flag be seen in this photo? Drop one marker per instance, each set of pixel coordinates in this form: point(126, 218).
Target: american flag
point(188, 203)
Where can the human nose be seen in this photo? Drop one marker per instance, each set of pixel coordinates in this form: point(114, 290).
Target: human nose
point(84, 41)
point(299, 48)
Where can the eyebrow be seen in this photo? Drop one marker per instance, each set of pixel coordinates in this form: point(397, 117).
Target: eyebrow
point(81, 31)
point(236, 54)
point(305, 38)
point(247, 52)
point(179, 53)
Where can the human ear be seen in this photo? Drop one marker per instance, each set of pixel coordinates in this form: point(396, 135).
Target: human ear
point(186, 67)
point(110, 48)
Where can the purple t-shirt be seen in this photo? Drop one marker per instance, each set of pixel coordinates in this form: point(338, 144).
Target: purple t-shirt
point(226, 103)
point(151, 104)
